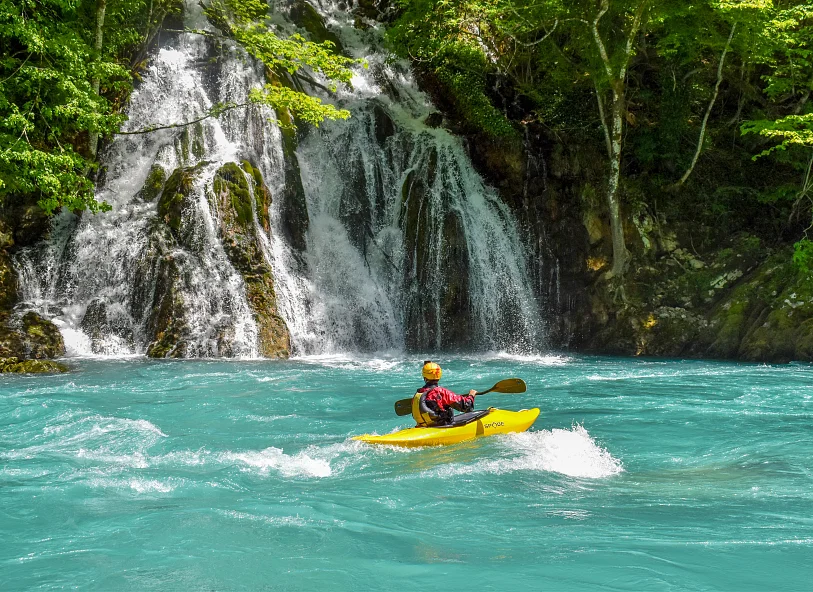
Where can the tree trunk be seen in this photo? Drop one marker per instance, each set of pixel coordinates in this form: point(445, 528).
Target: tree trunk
point(101, 6)
point(614, 135)
point(616, 223)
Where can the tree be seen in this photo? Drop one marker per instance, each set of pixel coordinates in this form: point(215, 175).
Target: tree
point(47, 102)
point(531, 41)
point(788, 36)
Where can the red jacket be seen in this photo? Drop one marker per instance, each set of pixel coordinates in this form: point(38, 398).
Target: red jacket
point(444, 399)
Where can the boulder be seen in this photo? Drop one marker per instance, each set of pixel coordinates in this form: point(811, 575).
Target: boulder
point(16, 365)
point(29, 335)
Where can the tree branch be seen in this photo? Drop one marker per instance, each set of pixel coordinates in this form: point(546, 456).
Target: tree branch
point(708, 110)
point(211, 113)
point(603, 120)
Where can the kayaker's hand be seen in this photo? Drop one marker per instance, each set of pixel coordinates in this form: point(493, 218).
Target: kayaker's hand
point(472, 392)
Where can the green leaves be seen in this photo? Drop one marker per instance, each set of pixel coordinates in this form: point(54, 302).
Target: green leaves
point(286, 58)
point(47, 102)
point(304, 107)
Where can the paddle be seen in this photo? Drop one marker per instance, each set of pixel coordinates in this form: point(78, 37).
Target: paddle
point(509, 385)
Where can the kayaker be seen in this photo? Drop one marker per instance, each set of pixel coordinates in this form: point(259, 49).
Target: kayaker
point(433, 404)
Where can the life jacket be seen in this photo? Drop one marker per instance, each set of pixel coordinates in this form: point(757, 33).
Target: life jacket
point(420, 412)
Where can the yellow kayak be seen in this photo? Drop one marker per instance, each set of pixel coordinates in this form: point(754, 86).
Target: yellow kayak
point(466, 426)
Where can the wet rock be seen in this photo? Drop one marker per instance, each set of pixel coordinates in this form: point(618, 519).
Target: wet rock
point(306, 17)
point(294, 219)
point(154, 183)
point(16, 365)
point(176, 204)
point(167, 321)
point(232, 197)
point(8, 275)
point(262, 195)
point(433, 120)
point(455, 304)
point(99, 324)
point(43, 339)
point(28, 224)
point(384, 126)
point(29, 336)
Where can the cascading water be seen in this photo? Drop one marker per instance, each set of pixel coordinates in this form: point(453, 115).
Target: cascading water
point(383, 237)
point(97, 276)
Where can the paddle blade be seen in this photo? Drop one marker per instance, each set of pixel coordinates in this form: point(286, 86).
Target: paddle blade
point(510, 385)
point(403, 407)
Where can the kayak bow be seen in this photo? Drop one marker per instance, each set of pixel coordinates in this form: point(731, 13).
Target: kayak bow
point(466, 426)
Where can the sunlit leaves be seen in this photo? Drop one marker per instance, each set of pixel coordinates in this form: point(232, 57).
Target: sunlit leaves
point(304, 107)
point(245, 22)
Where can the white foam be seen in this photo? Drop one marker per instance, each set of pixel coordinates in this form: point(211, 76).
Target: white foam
point(542, 360)
point(273, 520)
point(136, 484)
point(268, 418)
point(297, 465)
point(570, 452)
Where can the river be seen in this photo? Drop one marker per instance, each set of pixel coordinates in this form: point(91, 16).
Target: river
point(131, 474)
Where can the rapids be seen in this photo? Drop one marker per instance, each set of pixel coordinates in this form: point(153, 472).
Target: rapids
point(131, 474)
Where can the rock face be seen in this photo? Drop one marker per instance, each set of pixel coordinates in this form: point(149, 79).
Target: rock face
point(160, 277)
point(241, 199)
point(23, 335)
point(241, 202)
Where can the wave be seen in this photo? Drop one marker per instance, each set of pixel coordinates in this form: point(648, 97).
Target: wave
point(272, 458)
point(569, 452)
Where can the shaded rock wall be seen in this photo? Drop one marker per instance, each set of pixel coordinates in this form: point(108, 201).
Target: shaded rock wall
point(23, 335)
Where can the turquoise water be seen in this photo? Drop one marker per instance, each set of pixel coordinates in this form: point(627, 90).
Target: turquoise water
point(210, 475)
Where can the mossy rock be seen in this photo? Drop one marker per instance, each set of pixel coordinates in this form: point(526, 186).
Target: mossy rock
point(198, 141)
point(230, 184)
point(167, 323)
point(15, 365)
point(262, 195)
point(294, 219)
point(154, 183)
point(8, 282)
point(29, 336)
point(12, 341)
point(176, 196)
point(231, 197)
point(44, 339)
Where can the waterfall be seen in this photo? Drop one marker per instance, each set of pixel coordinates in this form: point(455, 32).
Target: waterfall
point(382, 235)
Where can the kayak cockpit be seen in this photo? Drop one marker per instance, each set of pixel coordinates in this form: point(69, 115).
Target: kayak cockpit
point(462, 419)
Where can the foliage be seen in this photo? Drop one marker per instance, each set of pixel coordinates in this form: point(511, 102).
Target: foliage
point(803, 256)
point(788, 35)
point(48, 65)
point(245, 22)
point(47, 102)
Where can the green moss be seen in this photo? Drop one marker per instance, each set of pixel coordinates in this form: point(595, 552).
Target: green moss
point(15, 365)
point(154, 183)
point(173, 197)
point(254, 172)
point(231, 179)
